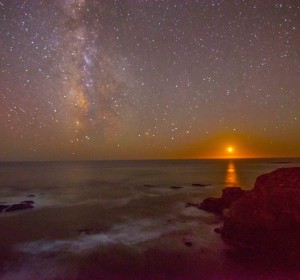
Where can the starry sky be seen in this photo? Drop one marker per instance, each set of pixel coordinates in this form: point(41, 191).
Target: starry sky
point(149, 79)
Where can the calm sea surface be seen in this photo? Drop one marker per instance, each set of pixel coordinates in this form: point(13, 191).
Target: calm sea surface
point(122, 219)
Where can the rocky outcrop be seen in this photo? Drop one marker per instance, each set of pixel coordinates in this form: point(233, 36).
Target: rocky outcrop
point(200, 185)
point(27, 204)
point(217, 205)
point(267, 218)
point(3, 207)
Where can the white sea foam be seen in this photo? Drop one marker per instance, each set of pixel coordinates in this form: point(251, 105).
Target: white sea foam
point(127, 234)
point(193, 212)
point(108, 203)
point(36, 268)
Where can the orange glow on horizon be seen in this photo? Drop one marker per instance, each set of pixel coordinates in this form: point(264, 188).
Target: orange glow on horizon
point(228, 146)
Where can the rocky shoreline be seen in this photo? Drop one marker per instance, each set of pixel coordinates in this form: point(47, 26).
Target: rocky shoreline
point(265, 219)
point(24, 205)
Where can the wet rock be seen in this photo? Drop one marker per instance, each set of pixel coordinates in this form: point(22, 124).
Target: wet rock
point(267, 218)
point(200, 185)
point(230, 195)
point(218, 230)
point(211, 204)
point(149, 186)
point(3, 207)
point(188, 244)
point(28, 202)
point(217, 205)
point(189, 204)
point(19, 206)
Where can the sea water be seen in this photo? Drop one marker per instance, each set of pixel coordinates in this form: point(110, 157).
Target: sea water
point(121, 219)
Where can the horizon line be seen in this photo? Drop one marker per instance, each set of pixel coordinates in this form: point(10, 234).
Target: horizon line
point(154, 159)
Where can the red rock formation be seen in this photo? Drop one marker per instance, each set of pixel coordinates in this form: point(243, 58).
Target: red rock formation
point(268, 217)
point(217, 205)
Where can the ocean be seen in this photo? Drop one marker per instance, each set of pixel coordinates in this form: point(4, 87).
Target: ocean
point(123, 220)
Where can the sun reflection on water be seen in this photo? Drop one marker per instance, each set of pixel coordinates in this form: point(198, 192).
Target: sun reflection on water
point(231, 179)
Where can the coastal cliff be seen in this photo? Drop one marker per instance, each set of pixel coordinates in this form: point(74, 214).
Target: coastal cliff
point(264, 219)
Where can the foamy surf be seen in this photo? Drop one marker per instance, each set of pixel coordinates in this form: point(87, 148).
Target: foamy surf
point(131, 233)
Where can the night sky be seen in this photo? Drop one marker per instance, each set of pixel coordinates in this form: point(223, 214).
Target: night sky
point(138, 79)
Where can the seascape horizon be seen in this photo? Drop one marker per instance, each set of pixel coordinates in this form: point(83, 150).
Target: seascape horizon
point(108, 220)
point(149, 140)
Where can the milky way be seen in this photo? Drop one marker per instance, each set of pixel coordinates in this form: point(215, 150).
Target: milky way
point(86, 79)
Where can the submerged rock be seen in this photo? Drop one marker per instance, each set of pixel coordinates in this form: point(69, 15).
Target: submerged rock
point(200, 185)
point(26, 204)
point(87, 231)
point(28, 201)
point(19, 206)
point(149, 186)
point(267, 218)
point(189, 204)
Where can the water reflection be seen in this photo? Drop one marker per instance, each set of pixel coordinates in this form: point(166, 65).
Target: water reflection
point(231, 179)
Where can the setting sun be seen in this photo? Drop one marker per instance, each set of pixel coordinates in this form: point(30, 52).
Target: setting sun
point(229, 149)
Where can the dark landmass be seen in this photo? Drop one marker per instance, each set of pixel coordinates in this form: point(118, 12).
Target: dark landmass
point(3, 207)
point(217, 205)
point(264, 221)
point(27, 204)
point(150, 186)
point(200, 185)
point(280, 162)
point(268, 217)
point(175, 187)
